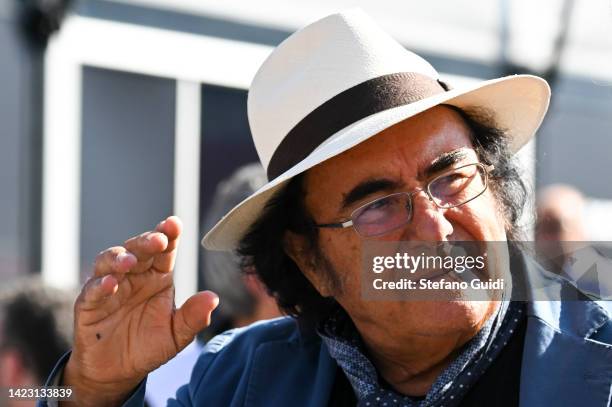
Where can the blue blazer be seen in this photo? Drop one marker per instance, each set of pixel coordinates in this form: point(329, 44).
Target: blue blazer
point(567, 361)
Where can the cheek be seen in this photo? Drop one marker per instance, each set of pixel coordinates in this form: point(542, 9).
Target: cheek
point(481, 219)
point(344, 252)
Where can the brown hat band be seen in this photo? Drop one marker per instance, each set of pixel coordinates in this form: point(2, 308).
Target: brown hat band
point(360, 101)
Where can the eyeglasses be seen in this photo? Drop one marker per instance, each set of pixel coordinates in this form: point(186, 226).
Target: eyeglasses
point(453, 188)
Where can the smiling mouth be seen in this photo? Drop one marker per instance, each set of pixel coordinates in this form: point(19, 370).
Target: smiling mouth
point(437, 274)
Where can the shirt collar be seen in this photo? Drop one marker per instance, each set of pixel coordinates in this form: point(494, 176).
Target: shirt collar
point(346, 347)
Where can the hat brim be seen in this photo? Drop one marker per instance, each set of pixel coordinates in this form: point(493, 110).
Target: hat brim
point(517, 102)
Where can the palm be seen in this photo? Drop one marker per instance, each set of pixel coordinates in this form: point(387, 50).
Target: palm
point(126, 324)
point(137, 326)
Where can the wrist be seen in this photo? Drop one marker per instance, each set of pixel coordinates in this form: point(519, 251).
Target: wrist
point(91, 393)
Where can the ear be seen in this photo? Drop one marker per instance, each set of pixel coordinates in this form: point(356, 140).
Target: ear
point(298, 249)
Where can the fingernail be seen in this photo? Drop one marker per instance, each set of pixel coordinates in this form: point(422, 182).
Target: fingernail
point(102, 280)
point(157, 236)
point(215, 297)
point(124, 257)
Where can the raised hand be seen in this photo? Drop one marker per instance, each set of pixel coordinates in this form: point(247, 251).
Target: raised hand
point(126, 324)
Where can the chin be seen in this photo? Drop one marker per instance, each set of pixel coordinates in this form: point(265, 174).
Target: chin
point(448, 317)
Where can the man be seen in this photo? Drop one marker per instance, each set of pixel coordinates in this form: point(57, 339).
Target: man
point(35, 330)
point(560, 214)
point(362, 143)
point(561, 242)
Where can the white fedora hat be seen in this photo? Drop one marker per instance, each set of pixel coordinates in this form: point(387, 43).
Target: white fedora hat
point(342, 80)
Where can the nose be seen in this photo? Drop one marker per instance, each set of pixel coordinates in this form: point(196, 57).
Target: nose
point(428, 221)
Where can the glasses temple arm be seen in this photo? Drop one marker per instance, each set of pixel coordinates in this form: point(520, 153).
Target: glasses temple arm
point(339, 225)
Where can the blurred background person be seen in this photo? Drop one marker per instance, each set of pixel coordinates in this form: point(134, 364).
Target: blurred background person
point(245, 299)
point(562, 245)
point(35, 330)
point(559, 223)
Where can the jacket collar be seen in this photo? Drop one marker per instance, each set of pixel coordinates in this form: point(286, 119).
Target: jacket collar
point(562, 365)
point(575, 316)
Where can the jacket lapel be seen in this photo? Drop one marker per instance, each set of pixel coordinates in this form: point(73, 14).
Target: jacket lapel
point(562, 365)
point(302, 371)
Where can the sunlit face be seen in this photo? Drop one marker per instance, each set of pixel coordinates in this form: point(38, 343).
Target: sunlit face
point(401, 158)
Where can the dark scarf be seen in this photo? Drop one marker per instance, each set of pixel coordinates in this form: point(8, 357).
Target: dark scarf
point(346, 347)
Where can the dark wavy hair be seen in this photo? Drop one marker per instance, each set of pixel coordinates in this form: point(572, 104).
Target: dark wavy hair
point(262, 248)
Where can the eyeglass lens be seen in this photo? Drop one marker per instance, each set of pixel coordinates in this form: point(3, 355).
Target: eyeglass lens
point(448, 190)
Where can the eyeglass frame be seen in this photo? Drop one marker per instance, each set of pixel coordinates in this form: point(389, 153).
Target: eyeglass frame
point(349, 222)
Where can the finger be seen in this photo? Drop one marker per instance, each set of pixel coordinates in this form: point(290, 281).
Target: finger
point(97, 290)
point(145, 247)
point(113, 260)
point(172, 227)
point(193, 316)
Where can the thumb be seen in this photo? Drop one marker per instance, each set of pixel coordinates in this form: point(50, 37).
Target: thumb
point(193, 316)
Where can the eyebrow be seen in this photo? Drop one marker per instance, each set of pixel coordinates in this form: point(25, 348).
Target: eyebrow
point(442, 163)
point(368, 187)
point(372, 186)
